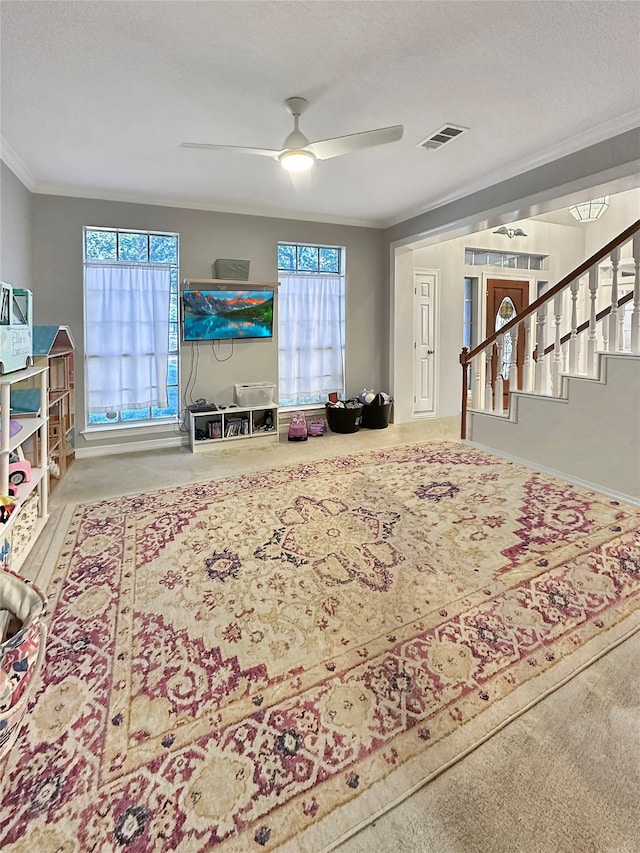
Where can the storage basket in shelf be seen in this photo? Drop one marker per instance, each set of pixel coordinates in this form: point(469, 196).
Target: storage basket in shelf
point(23, 608)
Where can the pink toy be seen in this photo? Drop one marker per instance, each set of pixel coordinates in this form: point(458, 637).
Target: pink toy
point(19, 467)
point(317, 427)
point(298, 427)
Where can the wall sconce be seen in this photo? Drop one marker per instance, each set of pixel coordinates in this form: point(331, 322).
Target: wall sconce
point(510, 232)
point(589, 211)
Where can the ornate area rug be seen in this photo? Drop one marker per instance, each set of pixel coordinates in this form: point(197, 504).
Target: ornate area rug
point(271, 660)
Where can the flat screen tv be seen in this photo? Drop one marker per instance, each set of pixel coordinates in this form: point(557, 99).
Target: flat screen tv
point(209, 315)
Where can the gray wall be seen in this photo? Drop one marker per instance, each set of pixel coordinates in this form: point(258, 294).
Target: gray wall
point(15, 230)
point(205, 236)
point(589, 443)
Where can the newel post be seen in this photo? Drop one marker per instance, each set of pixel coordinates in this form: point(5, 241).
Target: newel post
point(465, 385)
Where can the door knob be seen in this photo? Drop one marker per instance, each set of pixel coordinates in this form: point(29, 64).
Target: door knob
point(430, 352)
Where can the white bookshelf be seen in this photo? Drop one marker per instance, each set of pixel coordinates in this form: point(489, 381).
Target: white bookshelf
point(33, 435)
point(219, 426)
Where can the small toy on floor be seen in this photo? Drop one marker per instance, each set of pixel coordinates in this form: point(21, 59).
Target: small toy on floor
point(298, 427)
point(317, 427)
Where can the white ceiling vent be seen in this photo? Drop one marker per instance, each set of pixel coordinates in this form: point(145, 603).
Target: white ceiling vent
point(446, 133)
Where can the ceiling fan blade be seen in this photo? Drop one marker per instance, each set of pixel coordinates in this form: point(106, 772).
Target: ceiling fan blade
point(264, 152)
point(325, 149)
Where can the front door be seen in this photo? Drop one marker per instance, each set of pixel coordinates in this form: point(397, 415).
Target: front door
point(505, 300)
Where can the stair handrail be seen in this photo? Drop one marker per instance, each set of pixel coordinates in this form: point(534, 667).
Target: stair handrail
point(467, 355)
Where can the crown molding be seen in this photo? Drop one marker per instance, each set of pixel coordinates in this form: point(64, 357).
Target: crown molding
point(600, 133)
point(11, 159)
point(99, 194)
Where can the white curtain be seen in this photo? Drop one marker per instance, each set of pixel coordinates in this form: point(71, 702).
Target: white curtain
point(126, 336)
point(310, 337)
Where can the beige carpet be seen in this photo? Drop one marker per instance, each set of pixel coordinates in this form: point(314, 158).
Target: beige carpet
point(493, 585)
point(523, 768)
point(562, 778)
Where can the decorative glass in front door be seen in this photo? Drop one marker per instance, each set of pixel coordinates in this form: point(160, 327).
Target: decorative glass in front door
point(505, 313)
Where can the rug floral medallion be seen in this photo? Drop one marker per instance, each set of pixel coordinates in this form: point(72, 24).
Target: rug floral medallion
point(271, 660)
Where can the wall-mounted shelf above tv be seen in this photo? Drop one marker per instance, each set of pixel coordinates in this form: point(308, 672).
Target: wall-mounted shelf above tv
point(227, 283)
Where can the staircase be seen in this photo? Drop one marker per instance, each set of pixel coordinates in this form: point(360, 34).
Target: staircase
point(574, 400)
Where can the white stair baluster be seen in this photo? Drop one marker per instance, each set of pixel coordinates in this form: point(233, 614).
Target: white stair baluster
point(621, 335)
point(574, 347)
point(635, 315)
point(541, 363)
point(614, 342)
point(557, 347)
point(565, 357)
point(592, 331)
point(476, 383)
point(488, 390)
point(499, 389)
point(513, 367)
point(528, 347)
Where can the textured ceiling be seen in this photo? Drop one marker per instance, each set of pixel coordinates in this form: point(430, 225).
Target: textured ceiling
point(96, 97)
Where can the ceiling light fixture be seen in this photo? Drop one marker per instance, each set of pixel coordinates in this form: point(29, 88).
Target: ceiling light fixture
point(589, 211)
point(510, 232)
point(297, 160)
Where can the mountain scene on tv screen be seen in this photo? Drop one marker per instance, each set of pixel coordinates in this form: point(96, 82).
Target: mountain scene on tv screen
point(211, 315)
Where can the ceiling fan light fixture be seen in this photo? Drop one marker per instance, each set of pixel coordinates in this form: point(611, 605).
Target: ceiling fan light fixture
point(589, 211)
point(297, 160)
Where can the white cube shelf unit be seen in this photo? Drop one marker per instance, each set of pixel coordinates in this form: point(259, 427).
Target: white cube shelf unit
point(209, 427)
point(32, 509)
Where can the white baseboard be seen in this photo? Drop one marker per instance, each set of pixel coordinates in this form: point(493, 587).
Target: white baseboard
point(561, 475)
point(132, 446)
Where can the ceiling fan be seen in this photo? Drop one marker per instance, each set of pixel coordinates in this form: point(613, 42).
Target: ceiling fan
point(298, 154)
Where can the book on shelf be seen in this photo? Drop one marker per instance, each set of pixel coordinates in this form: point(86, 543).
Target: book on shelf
point(236, 426)
point(214, 429)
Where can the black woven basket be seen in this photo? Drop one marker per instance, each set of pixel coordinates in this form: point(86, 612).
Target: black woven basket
point(344, 420)
point(376, 417)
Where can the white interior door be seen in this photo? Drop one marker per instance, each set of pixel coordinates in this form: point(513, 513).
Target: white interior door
point(424, 343)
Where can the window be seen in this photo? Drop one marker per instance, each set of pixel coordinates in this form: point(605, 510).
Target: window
point(506, 313)
point(506, 260)
point(468, 328)
point(131, 327)
point(467, 317)
point(311, 323)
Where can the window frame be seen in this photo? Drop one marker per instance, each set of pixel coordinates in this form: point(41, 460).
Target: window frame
point(297, 272)
point(503, 259)
point(317, 247)
point(92, 429)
